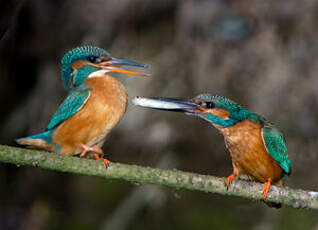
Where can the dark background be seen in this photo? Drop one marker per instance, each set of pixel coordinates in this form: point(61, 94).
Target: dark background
point(262, 54)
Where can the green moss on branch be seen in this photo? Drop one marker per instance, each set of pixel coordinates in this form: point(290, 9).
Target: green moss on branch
point(146, 175)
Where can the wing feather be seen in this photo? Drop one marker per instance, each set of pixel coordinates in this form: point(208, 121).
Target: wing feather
point(276, 147)
point(73, 103)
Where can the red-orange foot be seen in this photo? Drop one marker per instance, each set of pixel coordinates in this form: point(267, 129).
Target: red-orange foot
point(229, 179)
point(97, 154)
point(267, 186)
point(96, 157)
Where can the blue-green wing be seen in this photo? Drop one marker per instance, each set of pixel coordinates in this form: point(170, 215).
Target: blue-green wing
point(74, 101)
point(276, 147)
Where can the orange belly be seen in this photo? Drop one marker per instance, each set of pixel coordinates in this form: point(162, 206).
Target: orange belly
point(248, 153)
point(90, 125)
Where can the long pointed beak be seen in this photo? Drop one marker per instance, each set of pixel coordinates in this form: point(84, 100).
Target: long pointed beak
point(171, 104)
point(116, 61)
point(111, 65)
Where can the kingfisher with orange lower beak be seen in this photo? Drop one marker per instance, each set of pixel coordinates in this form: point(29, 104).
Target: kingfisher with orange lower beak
point(95, 104)
point(256, 146)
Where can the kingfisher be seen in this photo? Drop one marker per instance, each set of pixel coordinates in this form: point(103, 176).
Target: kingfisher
point(96, 102)
point(256, 146)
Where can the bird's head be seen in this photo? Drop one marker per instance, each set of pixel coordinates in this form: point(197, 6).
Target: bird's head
point(216, 109)
point(88, 61)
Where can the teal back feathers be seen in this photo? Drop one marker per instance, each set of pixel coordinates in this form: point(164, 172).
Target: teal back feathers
point(74, 101)
point(79, 53)
point(276, 147)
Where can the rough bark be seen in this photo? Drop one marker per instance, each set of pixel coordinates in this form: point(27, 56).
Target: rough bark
point(145, 175)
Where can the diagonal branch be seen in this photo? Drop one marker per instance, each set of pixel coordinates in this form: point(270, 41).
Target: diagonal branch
point(146, 175)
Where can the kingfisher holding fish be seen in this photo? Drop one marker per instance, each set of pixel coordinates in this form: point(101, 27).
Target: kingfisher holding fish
point(256, 146)
point(95, 104)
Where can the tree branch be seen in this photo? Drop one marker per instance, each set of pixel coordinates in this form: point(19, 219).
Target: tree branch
point(146, 175)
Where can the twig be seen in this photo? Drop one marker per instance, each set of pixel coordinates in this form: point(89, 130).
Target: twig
point(146, 175)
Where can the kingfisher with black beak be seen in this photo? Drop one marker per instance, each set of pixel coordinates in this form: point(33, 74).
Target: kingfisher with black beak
point(256, 146)
point(95, 104)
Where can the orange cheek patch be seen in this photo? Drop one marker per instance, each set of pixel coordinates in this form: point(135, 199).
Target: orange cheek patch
point(219, 113)
point(79, 64)
point(103, 59)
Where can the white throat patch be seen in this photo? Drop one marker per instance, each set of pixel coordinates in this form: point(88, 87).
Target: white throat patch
point(98, 73)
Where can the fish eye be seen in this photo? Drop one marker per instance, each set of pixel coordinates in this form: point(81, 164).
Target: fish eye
point(93, 59)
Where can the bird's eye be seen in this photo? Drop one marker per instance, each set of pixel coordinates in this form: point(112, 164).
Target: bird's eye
point(93, 59)
point(209, 105)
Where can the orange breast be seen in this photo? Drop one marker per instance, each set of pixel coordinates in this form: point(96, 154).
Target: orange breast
point(90, 125)
point(248, 153)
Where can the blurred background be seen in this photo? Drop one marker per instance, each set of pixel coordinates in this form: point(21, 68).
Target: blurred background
point(261, 54)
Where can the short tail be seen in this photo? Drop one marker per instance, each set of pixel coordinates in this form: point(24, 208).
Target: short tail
point(40, 141)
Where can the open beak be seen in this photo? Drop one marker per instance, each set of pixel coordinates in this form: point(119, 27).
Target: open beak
point(171, 104)
point(111, 65)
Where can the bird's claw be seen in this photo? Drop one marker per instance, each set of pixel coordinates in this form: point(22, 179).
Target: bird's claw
point(97, 154)
point(104, 160)
point(229, 179)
